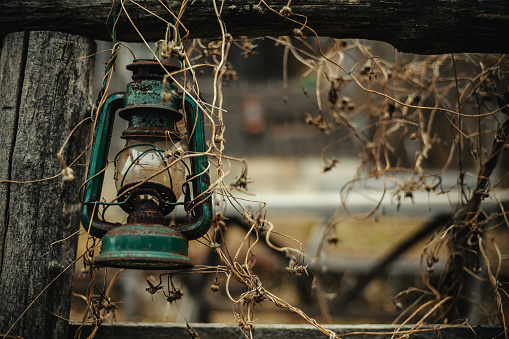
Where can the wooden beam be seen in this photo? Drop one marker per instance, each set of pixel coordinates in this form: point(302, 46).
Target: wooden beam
point(418, 26)
point(46, 87)
point(227, 331)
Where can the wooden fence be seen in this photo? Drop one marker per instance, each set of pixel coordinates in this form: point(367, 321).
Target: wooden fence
point(284, 331)
point(45, 86)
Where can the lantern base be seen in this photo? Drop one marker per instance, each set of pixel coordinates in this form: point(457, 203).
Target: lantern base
point(137, 246)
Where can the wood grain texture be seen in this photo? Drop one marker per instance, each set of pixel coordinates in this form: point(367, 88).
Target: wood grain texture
point(12, 63)
point(283, 331)
point(46, 91)
point(419, 26)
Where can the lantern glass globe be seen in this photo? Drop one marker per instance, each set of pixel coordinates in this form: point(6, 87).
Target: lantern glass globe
point(156, 162)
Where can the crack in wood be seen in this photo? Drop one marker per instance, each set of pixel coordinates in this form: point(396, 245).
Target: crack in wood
point(12, 142)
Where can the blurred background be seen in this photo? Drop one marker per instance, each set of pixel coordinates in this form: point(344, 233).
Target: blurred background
point(265, 119)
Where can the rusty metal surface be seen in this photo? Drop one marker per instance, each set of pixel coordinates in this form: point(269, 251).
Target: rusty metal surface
point(153, 132)
point(144, 246)
point(150, 69)
point(131, 260)
point(152, 103)
point(164, 195)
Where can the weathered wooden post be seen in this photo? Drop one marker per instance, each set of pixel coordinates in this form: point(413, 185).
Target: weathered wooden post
point(426, 27)
point(45, 86)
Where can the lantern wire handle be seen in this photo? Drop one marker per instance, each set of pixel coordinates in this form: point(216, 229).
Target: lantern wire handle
point(202, 204)
point(101, 143)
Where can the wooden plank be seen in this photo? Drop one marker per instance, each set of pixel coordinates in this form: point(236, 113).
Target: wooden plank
point(46, 90)
point(12, 63)
point(419, 26)
point(227, 331)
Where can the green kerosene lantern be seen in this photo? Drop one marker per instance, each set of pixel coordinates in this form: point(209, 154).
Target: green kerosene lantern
point(150, 175)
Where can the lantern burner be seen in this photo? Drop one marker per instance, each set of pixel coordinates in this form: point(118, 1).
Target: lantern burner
point(162, 195)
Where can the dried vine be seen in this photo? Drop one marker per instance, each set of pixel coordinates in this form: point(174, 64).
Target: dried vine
point(406, 111)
